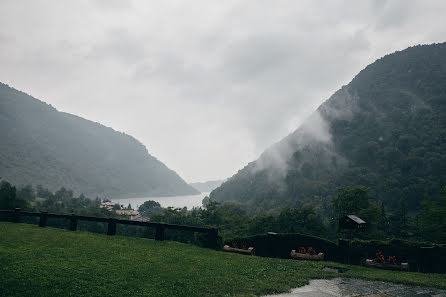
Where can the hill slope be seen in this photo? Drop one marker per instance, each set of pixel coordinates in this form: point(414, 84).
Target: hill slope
point(386, 129)
point(40, 145)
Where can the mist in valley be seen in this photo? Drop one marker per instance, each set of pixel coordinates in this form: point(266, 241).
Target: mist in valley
point(307, 130)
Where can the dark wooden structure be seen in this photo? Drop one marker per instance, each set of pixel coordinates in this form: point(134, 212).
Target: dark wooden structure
point(14, 216)
point(349, 225)
point(351, 222)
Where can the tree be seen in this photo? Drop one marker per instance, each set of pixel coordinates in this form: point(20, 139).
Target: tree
point(399, 219)
point(301, 220)
point(63, 194)
point(350, 200)
point(43, 192)
point(431, 223)
point(26, 193)
point(7, 195)
point(150, 208)
point(205, 201)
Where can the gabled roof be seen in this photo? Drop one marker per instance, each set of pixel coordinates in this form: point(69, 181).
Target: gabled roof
point(356, 219)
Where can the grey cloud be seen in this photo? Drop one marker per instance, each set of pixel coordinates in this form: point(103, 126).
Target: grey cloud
point(249, 58)
point(394, 14)
point(113, 4)
point(119, 44)
point(206, 86)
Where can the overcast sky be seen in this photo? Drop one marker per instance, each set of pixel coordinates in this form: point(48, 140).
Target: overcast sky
point(205, 85)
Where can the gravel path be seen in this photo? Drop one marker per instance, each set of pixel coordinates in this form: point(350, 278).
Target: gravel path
point(353, 287)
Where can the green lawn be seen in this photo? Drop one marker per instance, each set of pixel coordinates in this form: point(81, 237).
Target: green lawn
point(53, 262)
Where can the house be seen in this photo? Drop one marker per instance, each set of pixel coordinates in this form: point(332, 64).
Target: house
point(351, 222)
point(108, 205)
point(128, 212)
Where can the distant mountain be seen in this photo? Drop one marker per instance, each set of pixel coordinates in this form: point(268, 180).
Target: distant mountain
point(40, 145)
point(386, 130)
point(207, 186)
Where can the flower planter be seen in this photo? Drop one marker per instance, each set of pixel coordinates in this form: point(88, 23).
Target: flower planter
point(295, 255)
point(250, 251)
point(402, 266)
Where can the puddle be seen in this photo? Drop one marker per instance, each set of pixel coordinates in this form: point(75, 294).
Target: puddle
point(340, 287)
point(334, 269)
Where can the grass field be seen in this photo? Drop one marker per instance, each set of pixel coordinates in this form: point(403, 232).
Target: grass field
point(53, 262)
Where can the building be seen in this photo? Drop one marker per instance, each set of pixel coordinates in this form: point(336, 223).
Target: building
point(108, 205)
point(351, 222)
point(128, 212)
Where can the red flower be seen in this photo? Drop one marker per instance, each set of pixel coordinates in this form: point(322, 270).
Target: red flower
point(311, 251)
point(379, 257)
point(392, 260)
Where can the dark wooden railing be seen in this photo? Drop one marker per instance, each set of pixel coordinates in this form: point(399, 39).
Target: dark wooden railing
point(14, 216)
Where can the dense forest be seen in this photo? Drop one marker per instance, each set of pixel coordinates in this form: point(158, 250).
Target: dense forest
point(40, 145)
point(385, 130)
point(236, 220)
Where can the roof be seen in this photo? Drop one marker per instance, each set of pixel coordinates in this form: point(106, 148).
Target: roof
point(109, 203)
point(356, 219)
point(129, 212)
point(140, 219)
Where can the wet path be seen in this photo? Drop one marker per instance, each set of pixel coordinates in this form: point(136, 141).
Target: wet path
point(353, 287)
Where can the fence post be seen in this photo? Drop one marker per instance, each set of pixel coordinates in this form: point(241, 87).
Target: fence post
point(159, 234)
point(344, 247)
point(43, 218)
point(16, 215)
point(212, 238)
point(111, 227)
point(73, 222)
point(271, 239)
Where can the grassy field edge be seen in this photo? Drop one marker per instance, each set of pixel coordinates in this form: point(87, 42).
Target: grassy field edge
point(54, 262)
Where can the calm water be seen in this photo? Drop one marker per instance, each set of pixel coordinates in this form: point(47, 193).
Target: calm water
point(176, 201)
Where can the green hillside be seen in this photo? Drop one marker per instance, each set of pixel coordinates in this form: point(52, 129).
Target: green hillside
point(40, 145)
point(38, 261)
point(385, 130)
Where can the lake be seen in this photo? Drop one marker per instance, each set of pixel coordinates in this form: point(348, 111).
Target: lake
point(176, 201)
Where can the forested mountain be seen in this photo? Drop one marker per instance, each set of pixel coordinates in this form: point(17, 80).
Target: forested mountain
point(40, 145)
point(385, 130)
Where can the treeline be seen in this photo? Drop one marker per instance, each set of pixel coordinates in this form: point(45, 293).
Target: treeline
point(235, 220)
point(62, 201)
point(38, 199)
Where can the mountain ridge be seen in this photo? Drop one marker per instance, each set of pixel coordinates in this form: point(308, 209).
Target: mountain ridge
point(41, 145)
point(377, 131)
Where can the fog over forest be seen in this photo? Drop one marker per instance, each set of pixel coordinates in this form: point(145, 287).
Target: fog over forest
point(205, 86)
point(222, 148)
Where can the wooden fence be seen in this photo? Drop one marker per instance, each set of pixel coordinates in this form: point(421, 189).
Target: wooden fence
point(14, 216)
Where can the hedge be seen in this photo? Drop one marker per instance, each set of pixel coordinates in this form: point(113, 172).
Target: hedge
point(422, 256)
point(280, 245)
